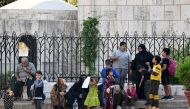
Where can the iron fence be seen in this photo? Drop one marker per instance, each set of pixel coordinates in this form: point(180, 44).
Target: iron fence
point(57, 55)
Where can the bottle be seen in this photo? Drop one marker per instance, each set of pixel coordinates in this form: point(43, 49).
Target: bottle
point(75, 104)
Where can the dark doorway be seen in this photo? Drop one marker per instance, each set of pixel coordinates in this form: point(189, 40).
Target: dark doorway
point(30, 42)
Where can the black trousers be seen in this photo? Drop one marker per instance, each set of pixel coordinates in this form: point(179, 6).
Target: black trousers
point(38, 104)
point(57, 107)
point(130, 101)
point(18, 89)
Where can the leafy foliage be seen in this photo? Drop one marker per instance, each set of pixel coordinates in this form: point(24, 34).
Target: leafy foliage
point(180, 54)
point(8, 80)
point(90, 41)
point(5, 2)
point(174, 80)
point(183, 72)
point(73, 2)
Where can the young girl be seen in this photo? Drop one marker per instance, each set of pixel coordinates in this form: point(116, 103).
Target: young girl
point(130, 95)
point(108, 89)
point(92, 100)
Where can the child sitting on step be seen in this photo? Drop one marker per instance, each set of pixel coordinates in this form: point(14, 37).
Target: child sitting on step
point(131, 95)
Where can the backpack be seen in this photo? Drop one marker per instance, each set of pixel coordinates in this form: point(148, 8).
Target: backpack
point(172, 67)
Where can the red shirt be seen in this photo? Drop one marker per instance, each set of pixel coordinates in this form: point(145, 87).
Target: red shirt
point(131, 92)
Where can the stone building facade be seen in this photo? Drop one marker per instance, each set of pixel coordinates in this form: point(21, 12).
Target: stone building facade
point(138, 15)
point(41, 16)
point(54, 21)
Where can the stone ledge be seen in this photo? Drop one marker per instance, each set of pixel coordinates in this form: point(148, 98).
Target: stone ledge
point(179, 102)
point(177, 90)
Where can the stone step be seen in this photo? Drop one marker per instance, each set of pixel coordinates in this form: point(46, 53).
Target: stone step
point(179, 102)
point(177, 90)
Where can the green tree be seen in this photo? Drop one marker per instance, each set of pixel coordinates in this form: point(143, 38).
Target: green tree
point(73, 2)
point(5, 2)
point(90, 41)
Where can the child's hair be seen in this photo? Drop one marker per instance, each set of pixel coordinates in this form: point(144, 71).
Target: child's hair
point(167, 51)
point(39, 72)
point(131, 83)
point(122, 43)
point(94, 78)
point(157, 58)
point(59, 80)
point(108, 62)
point(108, 70)
point(6, 87)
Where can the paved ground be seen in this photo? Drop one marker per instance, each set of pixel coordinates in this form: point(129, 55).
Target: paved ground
point(179, 102)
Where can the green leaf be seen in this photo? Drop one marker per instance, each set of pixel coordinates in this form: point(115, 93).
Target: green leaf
point(183, 72)
point(90, 41)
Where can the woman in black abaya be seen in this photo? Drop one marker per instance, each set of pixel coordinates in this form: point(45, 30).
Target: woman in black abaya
point(142, 59)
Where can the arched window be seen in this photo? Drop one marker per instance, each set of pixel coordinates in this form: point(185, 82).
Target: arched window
point(28, 48)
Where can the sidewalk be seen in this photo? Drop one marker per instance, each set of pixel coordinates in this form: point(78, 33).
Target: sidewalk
point(179, 102)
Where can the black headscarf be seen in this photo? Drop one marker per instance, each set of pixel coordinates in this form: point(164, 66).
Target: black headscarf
point(142, 46)
point(142, 57)
point(81, 79)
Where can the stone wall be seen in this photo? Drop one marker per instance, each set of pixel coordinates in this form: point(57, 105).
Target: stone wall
point(39, 21)
point(138, 15)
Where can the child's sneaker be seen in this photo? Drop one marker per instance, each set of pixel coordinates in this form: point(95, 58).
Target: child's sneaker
point(169, 97)
point(165, 97)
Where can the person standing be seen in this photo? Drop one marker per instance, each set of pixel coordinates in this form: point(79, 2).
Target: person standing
point(104, 78)
point(142, 59)
point(24, 74)
point(155, 78)
point(121, 61)
point(165, 74)
point(108, 89)
point(38, 90)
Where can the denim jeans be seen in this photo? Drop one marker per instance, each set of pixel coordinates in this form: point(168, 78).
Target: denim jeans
point(121, 79)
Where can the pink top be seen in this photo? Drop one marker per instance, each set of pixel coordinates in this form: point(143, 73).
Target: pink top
point(131, 92)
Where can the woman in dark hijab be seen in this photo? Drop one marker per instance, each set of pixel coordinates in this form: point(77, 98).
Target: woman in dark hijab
point(143, 59)
point(77, 92)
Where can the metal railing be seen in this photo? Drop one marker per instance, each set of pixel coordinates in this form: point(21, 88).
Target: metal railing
point(57, 55)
